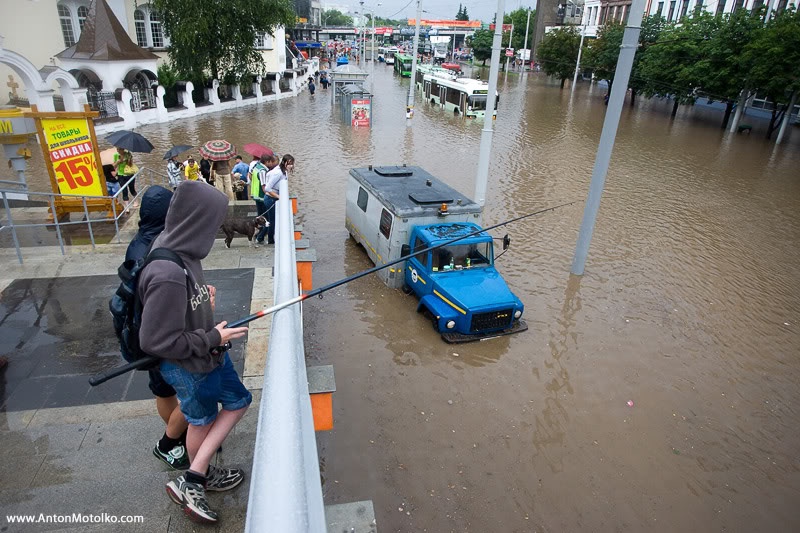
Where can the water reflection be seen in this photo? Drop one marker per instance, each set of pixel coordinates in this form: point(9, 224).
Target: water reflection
point(550, 424)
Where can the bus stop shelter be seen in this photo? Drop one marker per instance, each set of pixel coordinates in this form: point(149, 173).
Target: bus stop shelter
point(345, 75)
point(355, 105)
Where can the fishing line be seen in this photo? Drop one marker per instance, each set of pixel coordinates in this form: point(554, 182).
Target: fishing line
point(146, 361)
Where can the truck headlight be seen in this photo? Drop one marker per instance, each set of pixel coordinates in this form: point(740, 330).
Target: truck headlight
point(451, 324)
point(517, 313)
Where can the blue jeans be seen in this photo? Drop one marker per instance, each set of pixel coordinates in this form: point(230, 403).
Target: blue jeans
point(200, 393)
point(269, 201)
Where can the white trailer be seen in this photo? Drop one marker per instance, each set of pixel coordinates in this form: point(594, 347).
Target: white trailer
point(384, 203)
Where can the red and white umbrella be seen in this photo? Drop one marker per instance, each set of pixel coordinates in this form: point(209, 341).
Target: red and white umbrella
point(218, 150)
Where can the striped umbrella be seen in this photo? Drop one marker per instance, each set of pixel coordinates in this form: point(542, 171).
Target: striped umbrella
point(218, 150)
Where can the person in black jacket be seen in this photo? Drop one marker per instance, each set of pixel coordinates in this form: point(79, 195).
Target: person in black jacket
point(205, 170)
point(172, 447)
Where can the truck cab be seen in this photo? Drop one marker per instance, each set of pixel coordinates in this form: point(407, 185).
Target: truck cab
point(457, 284)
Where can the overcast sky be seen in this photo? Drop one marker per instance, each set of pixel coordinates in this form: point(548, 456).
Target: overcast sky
point(431, 9)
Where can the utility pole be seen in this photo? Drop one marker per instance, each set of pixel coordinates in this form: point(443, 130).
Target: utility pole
point(488, 122)
point(412, 86)
point(578, 62)
point(630, 41)
point(525, 42)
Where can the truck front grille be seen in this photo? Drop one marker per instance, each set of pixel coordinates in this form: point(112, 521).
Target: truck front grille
point(491, 320)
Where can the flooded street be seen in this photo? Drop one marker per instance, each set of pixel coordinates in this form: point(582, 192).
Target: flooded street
point(689, 309)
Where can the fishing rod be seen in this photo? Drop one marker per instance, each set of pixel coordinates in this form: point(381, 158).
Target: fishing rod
point(147, 361)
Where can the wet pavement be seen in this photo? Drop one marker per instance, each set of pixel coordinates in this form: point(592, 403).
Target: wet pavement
point(57, 333)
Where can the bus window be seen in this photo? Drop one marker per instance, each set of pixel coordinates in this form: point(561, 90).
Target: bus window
point(477, 102)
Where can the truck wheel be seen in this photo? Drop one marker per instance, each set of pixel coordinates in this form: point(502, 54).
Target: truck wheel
point(406, 289)
point(430, 316)
point(455, 112)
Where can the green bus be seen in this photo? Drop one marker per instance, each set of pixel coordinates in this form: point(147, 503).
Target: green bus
point(402, 65)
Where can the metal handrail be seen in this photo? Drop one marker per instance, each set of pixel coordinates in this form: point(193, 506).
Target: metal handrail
point(145, 177)
point(285, 486)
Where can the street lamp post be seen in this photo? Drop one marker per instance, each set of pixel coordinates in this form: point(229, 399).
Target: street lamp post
point(578, 62)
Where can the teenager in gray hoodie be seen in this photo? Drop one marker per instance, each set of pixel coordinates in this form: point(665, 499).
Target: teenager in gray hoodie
point(178, 326)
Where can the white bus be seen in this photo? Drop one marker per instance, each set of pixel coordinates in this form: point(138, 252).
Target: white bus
point(426, 68)
point(463, 96)
point(389, 56)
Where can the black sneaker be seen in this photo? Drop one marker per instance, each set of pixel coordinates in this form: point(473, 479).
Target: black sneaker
point(176, 458)
point(222, 479)
point(192, 499)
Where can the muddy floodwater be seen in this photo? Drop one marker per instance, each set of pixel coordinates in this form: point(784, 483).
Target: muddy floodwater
point(658, 392)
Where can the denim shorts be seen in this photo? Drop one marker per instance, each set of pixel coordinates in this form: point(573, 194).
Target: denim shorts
point(158, 386)
point(200, 393)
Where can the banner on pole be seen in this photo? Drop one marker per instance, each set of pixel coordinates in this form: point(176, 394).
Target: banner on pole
point(72, 155)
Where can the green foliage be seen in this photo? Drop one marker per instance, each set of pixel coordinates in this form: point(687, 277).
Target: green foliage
point(519, 18)
point(462, 13)
point(669, 65)
point(218, 37)
point(774, 56)
point(168, 78)
point(602, 53)
point(723, 69)
point(481, 44)
point(651, 29)
point(558, 52)
point(334, 17)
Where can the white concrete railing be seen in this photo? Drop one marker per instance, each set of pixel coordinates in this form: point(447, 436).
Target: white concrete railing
point(285, 486)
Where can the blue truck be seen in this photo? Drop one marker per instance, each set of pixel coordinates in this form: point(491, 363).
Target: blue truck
point(398, 211)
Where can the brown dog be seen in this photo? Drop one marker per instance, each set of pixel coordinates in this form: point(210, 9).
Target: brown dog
point(246, 226)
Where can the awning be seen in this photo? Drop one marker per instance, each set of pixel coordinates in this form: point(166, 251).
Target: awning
point(307, 44)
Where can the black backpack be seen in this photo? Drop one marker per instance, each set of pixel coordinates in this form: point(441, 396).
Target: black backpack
point(126, 308)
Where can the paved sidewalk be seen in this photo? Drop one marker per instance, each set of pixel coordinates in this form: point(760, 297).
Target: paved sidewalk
point(63, 458)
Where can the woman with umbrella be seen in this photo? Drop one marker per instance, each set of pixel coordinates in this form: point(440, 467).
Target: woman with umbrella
point(126, 172)
point(127, 142)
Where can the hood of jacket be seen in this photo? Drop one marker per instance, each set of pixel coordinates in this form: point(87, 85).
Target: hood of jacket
point(193, 220)
point(153, 212)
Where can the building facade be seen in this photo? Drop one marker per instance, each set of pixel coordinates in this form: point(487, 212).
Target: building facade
point(40, 32)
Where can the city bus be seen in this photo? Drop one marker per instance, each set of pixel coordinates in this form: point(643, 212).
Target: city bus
point(464, 96)
point(389, 55)
point(402, 65)
point(426, 68)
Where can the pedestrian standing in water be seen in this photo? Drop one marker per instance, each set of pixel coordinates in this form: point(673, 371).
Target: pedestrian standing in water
point(311, 86)
point(178, 327)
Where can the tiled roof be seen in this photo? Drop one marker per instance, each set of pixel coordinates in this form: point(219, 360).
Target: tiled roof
point(104, 39)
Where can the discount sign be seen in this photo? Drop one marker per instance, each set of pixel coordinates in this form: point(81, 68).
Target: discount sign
point(69, 143)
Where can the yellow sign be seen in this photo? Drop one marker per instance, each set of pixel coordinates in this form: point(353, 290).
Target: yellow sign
point(72, 154)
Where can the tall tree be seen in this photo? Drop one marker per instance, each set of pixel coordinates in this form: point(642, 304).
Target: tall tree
point(462, 13)
point(602, 53)
point(558, 52)
point(215, 37)
point(481, 44)
point(774, 54)
point(519, 18)
point(334, 17)
point(651, 29)
point(722, 69)
point(669, 66)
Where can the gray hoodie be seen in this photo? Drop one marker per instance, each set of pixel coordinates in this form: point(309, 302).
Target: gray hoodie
point(177, 320)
